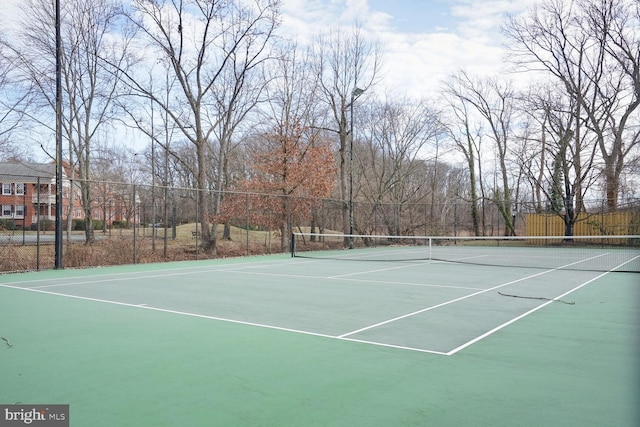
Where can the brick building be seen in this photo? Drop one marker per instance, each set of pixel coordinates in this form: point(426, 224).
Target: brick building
point(28, 194)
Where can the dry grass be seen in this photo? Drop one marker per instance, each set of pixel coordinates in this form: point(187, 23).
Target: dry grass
point(118, 248)
point(25, 258)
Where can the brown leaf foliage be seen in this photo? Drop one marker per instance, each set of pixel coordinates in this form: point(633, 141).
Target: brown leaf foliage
point(289, 173)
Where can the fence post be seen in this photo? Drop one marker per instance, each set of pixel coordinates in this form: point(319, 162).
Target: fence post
point(375, 218)
point(246, 228)
point(455, 218)
point(546, 223)
point(602, 232)
point(174, 215)
point(38, 224)
point(197, 219)
point(426, 220)
point(135, 211)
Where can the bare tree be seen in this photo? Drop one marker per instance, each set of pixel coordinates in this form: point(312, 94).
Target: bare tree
point(390, 160)
point(291, 117)
point(466, 134)
point(213, 49)
point(143, 115)
point(592, 47)
point(615, 24)
point(91, 32)
point(559, 163)
point(348, 65)
point(12, 101)
point(493, 101)
point(116, 171)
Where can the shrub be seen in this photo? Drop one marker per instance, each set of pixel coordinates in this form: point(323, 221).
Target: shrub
point(7, 224)
point(43, 225)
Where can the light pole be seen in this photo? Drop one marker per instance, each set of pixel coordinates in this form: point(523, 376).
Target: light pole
point(58, 242)
point(354, 95)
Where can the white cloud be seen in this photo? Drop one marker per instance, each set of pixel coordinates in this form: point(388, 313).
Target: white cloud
point(418, 64)
point(422, 45)
point(10, 16)
point(302, 19)
point(415, 62)
point(482, 19)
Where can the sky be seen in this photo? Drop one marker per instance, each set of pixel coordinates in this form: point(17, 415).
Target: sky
point(423, 40)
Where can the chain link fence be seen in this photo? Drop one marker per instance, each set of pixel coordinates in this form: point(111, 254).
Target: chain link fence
point(139, 224)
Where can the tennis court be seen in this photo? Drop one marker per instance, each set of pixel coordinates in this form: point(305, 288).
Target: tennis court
point(290, 341)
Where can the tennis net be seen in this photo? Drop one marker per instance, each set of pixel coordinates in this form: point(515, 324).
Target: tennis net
point(588, 253)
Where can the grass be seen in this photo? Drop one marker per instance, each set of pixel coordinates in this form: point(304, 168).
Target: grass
point(117, 247)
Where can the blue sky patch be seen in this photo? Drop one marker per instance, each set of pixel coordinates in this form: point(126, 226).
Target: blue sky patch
point(416, 16)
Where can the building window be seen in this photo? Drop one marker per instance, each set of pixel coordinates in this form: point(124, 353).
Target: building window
point(6, 210)
point(20, 189)
point(19, 211)
point(6, 188)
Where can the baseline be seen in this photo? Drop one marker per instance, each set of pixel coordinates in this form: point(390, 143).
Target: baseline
point(523, 315)
point(415, 313)
point(123, 276)
point(220, 319)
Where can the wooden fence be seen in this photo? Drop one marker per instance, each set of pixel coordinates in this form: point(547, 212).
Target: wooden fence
point(588, 224)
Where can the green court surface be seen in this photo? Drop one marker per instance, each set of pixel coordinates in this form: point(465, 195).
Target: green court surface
point(281, 341)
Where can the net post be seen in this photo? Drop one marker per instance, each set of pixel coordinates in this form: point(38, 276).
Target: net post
point(430, 252)
point(293, 245)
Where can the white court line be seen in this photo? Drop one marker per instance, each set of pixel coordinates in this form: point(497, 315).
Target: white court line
point(261, 273)
point(533, 310)
point(404, 316)
point(118, 279)
point(342, 277)
point(413, 264)
point(427, 285)
point(362, 255)
point(343, 337)
point(221, 319)
point(339, 276)
point(401, 347)
point(114, 277)
point(237, 271)
point(515, 319)
point(129, 275)
point(165, 310)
